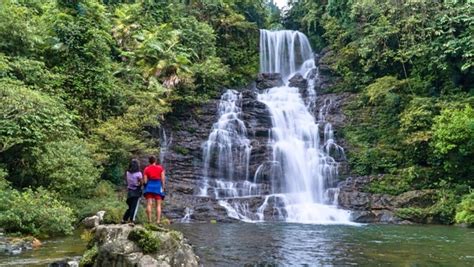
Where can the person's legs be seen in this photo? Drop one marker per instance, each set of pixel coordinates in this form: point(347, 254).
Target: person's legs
point(128, 212)
point(158, 210)
point(148, 208)
point(134, 208)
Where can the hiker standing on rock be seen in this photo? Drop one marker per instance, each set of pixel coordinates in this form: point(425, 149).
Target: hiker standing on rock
point(134, 190)
point(154, 187)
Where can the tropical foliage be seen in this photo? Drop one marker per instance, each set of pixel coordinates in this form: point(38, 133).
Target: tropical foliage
point(84, 83)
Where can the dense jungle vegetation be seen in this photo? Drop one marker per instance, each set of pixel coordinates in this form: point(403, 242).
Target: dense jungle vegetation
point(85, 82)
point(411, 65)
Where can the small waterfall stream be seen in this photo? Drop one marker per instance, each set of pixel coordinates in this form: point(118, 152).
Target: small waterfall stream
point(303, 169)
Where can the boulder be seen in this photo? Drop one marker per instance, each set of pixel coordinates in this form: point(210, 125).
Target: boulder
point(93, 221)
point(298, 81)
point(67, 262)
point(113, 245)
point(268, 80)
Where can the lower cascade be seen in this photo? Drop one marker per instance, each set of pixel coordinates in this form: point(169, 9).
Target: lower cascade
point(297, 183)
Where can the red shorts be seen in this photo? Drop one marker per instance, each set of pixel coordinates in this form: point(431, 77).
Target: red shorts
point(153, 196)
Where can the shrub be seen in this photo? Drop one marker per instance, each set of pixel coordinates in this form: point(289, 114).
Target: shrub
point(102, 197)
point(465, 210)
point(66, 167)
point(29, 117)
point(89, 256)
point(453, 140)
point(3, 181)
point(34, 212)
point(390, 184)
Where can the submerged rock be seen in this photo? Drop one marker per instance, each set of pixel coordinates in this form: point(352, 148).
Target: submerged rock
point(17, 245)
point(124, 245)
point(67, 262)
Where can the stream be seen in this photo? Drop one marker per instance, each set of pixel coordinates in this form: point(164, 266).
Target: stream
point(51, 250)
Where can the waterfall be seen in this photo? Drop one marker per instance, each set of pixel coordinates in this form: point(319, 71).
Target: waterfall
point(283, 52)
point(304, 164)
point(227, 151)
point(308, 169)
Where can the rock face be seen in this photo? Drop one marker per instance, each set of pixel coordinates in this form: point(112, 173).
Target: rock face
point(189, 129)
point(379, 208)
point(327, 78)
point(114, 247)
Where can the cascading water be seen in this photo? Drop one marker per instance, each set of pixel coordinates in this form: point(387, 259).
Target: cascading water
point(308, 169)
point(303, 166)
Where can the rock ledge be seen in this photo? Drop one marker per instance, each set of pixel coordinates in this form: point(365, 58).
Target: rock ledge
point(111, 246)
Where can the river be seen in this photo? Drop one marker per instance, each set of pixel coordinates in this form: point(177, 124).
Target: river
point(264, 244)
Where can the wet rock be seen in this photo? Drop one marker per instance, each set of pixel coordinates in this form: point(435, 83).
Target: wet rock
point(17, 245)
point(269, 80)
point(362, 216)
point(68, 262)
point(298, 81)
point(114, 248)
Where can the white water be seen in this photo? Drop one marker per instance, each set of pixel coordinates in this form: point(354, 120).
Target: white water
point(283, 52)
point(302, 190)
point(227, 151)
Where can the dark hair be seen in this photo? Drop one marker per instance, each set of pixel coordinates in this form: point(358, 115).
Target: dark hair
point(134, 166)
point(152, 159)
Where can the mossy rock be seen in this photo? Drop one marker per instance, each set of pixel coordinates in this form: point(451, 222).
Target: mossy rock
point(145, 239)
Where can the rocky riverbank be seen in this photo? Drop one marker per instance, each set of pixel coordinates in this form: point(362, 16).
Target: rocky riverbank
point(17, 245)
point(125, 245)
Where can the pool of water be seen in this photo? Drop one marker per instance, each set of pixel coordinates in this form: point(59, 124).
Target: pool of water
point(330, 245)
point(51, 250)
point(264, 244)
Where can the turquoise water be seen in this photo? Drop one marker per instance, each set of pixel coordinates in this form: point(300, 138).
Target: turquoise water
point(330, 245)
point(284, 244)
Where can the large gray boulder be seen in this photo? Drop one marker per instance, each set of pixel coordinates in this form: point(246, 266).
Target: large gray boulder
point(113, 245)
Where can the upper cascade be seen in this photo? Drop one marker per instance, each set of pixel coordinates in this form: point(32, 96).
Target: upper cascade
point(285, 52)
